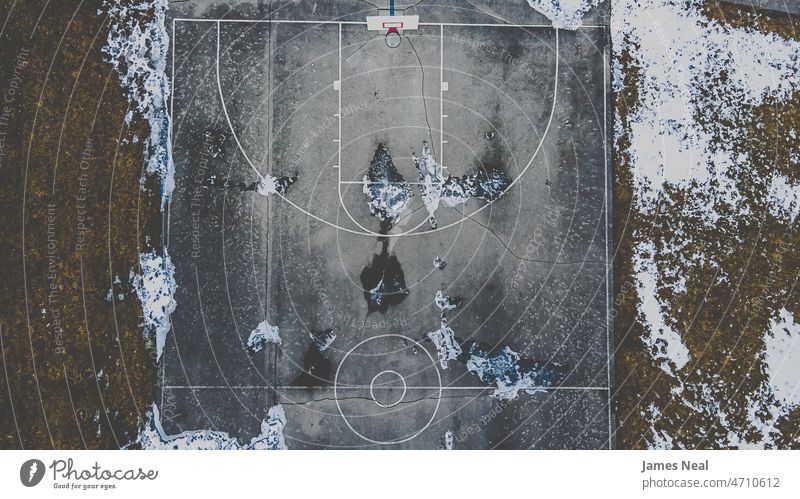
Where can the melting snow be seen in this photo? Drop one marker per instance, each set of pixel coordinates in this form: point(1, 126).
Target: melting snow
point(658, 439)
point(447, 346)
point(323, 339)
point(436, 187)
point(153, 436)
point(155, 287)
point(564, 14)
point(681, 56)
point(387, 193)
point(663, 342)
point(446, 303)
point(271, 437)
point(137, 48)
point(274, 185)
point(263, 333)
point(698, 82)
point(505, 370)
point(782, 358)
point(784, 198)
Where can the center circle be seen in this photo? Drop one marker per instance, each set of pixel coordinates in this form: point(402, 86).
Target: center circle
point(378, 361)
point(388, 377)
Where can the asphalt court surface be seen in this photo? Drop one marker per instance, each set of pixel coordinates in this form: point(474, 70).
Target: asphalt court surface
point(314, 99)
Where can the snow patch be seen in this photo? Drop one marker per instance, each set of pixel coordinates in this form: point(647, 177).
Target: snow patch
point(153, 436)
point(271, 437)
point(446, 303)
point(274, 185)
point(659, 439)
point(323, 339)
point(682, 128)
point(564, 14)
point(782, 358)
point(155, 287)
point(444, 340)
point(262, 334)
point(437, 188)
point(387, 193)
point(137, 48)
point(505, 370)
point(784, 198)
point(663, 342)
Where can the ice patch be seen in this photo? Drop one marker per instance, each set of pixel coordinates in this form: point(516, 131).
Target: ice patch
point(437, 188)
point(271, 437)
point(262, 334)
point(447, 346)
point(155, 287)
point(137, 48)
point(274, 185)
point(782, 358)
point(564, 14)
point(663, 342)
point(505, 369)
point(446, 303)
point(153, 436)
point(387, 193)
point(784, 198)
point(323, 339)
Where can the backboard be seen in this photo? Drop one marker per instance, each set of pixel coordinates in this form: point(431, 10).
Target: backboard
point(389, 22)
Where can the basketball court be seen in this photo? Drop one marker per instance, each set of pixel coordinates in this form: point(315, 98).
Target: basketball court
point(314, 97)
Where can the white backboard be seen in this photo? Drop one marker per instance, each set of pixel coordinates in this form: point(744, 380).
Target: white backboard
point(383, 23)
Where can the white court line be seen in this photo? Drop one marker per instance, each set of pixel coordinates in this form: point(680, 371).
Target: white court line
point(605, 202)
point(365, 387)
point(605, 147)
point(228, 118)
point(363, 23)
point(169, 205)
point(339, 168)
point(363, 231)
point(339, 111)
point(441, 96)
point(504, 25)
point(356, 182)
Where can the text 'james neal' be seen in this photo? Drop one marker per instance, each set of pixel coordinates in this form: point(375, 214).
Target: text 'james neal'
point(683, 466)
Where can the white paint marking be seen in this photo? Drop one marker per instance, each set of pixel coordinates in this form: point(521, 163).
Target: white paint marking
point(363, 23)
point(442, 88)
point(606, 207)
point(366, 387)
point(364, 231)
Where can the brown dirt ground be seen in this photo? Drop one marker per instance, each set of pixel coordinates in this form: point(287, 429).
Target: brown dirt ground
point(58, 329)
point(722, 323)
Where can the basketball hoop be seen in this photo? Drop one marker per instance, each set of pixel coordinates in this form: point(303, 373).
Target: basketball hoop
point(392, 38)
point(393, 26)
